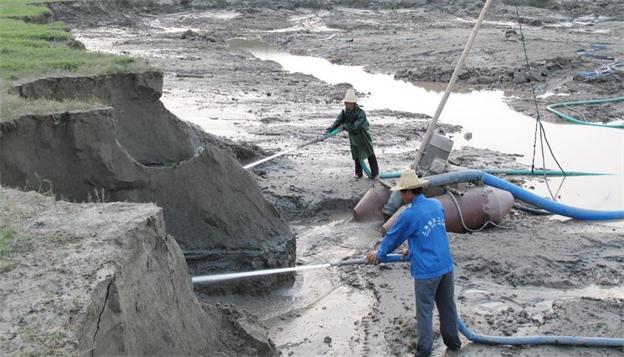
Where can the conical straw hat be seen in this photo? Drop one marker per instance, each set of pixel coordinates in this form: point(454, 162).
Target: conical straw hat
point(350, 96)
point(409, 180)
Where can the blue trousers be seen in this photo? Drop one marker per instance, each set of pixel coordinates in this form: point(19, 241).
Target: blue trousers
point(441, 291)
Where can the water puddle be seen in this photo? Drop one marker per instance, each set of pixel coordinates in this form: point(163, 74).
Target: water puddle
point(577, 26)
point(219, 15)
point(167, 23)
point(552, 94)
point(158, 25)
point(301, 317)
point(493, 124)
point(309, 23)
point(488, 22)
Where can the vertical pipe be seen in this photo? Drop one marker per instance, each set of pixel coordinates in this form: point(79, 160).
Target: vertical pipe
point(450, 85)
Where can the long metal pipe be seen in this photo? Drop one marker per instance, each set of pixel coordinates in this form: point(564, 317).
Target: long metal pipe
point(217, 278)
point(269, 158)
point(451, 84)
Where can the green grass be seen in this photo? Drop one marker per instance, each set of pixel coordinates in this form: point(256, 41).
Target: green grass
point(22, 9)
point(18, 29)
point(7, 241)
point(12, 244)
point(31, 50)
point(35, 50)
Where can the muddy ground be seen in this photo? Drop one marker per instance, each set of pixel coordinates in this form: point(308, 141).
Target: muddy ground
point(541, 276)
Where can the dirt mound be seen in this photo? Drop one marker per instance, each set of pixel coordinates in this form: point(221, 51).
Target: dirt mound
point(105, 279)
point(138, 110)
point(211, 205)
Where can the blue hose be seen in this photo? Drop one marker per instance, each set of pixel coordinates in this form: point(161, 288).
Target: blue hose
point(548, 205)
point(540, 340)
point(523, 195)
point(394, 258)
point(514, 340)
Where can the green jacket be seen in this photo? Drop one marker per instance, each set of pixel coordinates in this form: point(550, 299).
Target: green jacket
point(356, 124)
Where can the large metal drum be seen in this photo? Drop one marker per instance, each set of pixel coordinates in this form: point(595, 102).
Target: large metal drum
point(478, 205)
point(371, 204)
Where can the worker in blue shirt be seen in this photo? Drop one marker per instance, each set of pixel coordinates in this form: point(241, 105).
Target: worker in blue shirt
point(422, 225)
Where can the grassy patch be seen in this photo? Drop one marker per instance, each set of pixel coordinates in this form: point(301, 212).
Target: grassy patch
point(8, 240)
point(22, 9)
point(28, 50)
point(11, 243)
point(35, 50)
point(18, 29)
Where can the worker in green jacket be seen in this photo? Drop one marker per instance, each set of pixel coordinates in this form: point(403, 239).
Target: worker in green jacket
point(353, 120)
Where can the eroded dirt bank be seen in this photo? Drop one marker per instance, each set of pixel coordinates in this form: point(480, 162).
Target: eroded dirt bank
point(136, 150)
point(105, 279)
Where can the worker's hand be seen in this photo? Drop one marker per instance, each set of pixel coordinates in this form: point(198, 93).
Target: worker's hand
point(404, 252)
point(372, 257)
point(329, 129)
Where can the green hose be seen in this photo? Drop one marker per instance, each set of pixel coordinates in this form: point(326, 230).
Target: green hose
point(551, 108)
point(366, 169)
point(526, 172)
point(514, 172)
point(390, 175)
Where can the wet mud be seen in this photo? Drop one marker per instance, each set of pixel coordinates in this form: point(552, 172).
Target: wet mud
point(540, 276)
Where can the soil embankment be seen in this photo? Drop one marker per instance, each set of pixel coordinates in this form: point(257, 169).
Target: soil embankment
point(138, 151)
point(105, 279)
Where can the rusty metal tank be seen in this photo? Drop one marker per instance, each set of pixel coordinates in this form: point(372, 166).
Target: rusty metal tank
point(478, 205)
point(370, 205)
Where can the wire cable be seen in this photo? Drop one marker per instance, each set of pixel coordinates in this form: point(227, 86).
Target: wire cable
point(538, 123)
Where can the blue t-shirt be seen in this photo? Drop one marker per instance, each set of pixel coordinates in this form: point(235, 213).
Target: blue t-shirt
point(422, 225)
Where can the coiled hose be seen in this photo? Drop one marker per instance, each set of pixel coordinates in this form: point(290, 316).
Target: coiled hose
point(551, 108)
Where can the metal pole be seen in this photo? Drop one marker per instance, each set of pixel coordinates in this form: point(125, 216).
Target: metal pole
point(317, 140)
point(450, 85)
point(217, 278)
